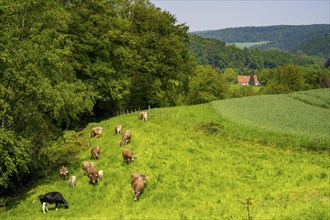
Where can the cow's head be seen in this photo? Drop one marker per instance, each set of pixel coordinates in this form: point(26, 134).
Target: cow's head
point(93, 175)
point(97, 156)
point(66, 205)
point(144, 177)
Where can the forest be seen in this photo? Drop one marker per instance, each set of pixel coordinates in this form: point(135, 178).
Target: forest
point(64, 63)
point(284, 37)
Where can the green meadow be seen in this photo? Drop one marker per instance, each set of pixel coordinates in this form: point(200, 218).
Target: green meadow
point(203, 161)
point(247, 44)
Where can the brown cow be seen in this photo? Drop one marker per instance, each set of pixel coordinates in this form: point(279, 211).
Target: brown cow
point(96, 131)
point(118, 129)
point(128, 155)
point(143, 116)
point(87, 166)
point(96, 152)
point(138, 187)
point(126, 138)
point(93, 175)
point(137, 175)
point(63, 172)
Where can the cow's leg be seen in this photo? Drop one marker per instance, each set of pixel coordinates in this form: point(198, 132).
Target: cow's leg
point(43, 207)
point(56, 206)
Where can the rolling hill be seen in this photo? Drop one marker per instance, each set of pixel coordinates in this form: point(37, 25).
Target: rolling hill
point(285, 37)
point(204, 162)
point(316, 46)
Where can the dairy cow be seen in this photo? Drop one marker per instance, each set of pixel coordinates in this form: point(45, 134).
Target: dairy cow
point(52, 197)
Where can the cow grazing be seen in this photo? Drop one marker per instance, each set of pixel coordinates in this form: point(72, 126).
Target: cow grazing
point(72, 181)
point(100, 173)
point(138, 186)
point(93, 175)
point(96, 151)
point(137, 175)
point(87, 166)
point(97, 131)
point(128, 155)
point(143, 116)
point(52, 197)
point(118, 129)
point(126, 138)
point(63, 172)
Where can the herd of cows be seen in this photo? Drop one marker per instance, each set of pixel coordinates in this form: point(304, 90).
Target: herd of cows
point(89, 168)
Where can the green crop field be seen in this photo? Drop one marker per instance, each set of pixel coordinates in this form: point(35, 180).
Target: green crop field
point(203, 162)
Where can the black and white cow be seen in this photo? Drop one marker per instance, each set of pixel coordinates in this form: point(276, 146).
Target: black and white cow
point(52, 197)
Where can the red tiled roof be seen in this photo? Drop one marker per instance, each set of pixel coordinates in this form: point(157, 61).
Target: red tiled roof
point(243, 79)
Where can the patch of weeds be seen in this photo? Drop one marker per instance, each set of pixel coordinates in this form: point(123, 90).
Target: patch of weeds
point(211, 127)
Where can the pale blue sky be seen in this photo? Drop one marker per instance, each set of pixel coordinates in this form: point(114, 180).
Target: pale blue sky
point(219, 14)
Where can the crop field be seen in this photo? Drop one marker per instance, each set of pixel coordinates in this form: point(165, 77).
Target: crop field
point(319, 97)
point(196, 167)
point(301, 119)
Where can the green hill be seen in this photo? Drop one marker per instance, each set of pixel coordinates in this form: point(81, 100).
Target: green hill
point(220, 55)
point(203, 162)
point(285, 37)
point(316, 46)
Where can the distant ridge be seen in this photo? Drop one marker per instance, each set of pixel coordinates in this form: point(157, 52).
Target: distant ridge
point(285, 37)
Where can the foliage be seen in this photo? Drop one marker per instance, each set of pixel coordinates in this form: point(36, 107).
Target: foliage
point(316, 46)
point(230, 75)
point(238, 91)
point(244, 61)
point(285, 37)
point(207, 85)
point(286, 79)
point(193, 173)
point(14, 159)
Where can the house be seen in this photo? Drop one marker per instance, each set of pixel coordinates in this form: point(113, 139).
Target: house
point(246, 80)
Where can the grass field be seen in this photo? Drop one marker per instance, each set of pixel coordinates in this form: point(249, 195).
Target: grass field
point(248, 44)
point(300, 119)
point(197, 168)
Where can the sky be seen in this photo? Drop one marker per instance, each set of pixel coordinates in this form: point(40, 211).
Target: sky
point(202, 15)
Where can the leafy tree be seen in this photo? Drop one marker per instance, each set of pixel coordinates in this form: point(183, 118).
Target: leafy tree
point(161, 55)
point(207, 85)
point(39, 92)
point(265, 76)
point(287, 78)
point(14, 160)
point(230, 75)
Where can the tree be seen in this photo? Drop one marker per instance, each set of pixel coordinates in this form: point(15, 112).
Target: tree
point(38, 87)
point(287, 78)
point(207, 85)
point(161, 56)
point(230, 75)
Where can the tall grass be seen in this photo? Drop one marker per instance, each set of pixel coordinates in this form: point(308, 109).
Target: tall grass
point(196, 171)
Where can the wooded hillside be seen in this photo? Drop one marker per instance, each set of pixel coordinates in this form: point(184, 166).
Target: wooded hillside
point(316, 46)
point(218, 54)
point(285, 37)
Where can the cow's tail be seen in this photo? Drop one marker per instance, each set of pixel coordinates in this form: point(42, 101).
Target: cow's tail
point(36, 199)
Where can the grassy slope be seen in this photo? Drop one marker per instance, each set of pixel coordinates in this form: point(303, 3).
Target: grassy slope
point(193, 173)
